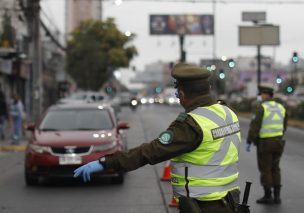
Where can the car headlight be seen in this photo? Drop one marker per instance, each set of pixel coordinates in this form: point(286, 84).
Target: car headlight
point(103, 147)
point(134, 102)
point(40, 149)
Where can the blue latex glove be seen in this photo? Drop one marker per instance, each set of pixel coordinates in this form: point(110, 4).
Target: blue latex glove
point(87, 169)
point(248, 146)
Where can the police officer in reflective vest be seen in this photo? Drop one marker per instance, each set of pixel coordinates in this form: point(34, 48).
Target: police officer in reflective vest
point(266, 132)
point(202, 144)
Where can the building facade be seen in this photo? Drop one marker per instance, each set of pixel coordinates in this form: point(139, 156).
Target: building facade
point(80, 10)
point(14, 65)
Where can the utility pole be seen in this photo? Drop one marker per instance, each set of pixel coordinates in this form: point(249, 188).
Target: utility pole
point(182, 48)
point(259, 66)
point(214, 35)
point(35, 55)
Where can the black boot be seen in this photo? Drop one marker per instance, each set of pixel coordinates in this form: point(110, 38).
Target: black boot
point(267, 199)
point(276, 193)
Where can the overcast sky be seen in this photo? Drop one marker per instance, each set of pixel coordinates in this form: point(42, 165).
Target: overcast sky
point(134, 16)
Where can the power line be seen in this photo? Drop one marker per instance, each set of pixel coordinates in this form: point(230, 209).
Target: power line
point(51, 36)
point(46, 29)
point(50, 21)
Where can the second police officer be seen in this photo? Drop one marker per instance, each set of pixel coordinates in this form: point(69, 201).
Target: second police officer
point(266, 131)
point(202, 144)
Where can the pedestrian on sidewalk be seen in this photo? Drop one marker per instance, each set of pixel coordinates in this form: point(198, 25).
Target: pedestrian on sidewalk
point(202, 144)
point(266, 132)
point(3, 115)
point(16, 112)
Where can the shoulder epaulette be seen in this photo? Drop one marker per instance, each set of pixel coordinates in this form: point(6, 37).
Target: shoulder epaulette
point(182, 116)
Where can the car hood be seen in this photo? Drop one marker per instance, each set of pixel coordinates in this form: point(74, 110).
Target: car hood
point(75, 138)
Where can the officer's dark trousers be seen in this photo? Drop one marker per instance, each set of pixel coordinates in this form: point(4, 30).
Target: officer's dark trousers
point(217, 206)
point(269, 152)
point(214, 207)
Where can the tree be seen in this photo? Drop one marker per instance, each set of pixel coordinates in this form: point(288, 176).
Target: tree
point(95, 50)
point(8, 35)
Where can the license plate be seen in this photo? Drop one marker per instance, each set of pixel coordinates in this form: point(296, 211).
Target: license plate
point(65, 160)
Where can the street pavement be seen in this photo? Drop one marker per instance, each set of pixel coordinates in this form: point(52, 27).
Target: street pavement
point(142, 190)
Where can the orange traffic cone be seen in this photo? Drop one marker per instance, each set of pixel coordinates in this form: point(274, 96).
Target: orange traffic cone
point(167, 172)
point(173, 203)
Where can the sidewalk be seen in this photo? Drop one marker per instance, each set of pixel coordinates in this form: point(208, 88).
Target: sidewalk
point(5, 146)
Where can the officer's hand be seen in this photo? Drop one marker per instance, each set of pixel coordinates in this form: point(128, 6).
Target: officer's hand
point(87, 169)
point(247, 147)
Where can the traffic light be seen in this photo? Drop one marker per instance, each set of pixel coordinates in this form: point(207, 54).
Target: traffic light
point(209, 67)
point(222, 74)
point(295, 57)
point(279, 80)
point(231, 63)
point(109, 89)
point(290, 89)
point(158, 90)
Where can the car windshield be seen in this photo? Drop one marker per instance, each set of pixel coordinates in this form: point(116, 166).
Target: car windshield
point(77, 119)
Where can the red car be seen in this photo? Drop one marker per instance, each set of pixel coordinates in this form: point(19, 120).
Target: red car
point(72, 135)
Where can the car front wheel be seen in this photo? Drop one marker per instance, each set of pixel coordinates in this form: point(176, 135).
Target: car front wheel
point(30, 181)
point(118, 179)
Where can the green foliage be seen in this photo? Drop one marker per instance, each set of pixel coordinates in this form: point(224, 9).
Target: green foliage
point(8, 33)
point(95, 50)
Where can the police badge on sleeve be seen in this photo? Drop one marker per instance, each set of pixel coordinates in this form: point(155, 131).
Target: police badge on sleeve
point(165, 137)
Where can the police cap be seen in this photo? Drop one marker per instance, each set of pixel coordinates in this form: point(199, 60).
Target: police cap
point(266, 88)
point(186, 74)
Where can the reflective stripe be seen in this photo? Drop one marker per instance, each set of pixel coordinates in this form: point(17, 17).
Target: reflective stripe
point(204, 171)
point(212, 116)
point(271, 130)
point(213, 165)
point(273, 120)
point(274, 110)
point(218, 157)
point(201, 191)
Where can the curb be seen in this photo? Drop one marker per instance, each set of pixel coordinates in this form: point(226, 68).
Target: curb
point(13, 148)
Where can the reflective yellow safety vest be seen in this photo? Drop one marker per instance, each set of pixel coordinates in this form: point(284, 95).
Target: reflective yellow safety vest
point(211, 170)
point(273, 119)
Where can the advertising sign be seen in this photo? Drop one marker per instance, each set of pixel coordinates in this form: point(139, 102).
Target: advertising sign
point(259, 35)
point(181, 25)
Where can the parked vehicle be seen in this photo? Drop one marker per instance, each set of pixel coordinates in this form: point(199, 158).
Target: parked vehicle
point(83, 97)
point(70, 135)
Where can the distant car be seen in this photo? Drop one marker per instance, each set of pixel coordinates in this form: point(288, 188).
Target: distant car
point(171, 100)
point(72, 135)
point(83, 97)
point(125, 98)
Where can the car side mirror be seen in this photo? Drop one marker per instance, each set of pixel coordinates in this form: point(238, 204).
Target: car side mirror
point(123, 125)
point(31, 127)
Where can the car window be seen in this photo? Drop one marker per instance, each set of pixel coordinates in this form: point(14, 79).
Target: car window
point(77, 119)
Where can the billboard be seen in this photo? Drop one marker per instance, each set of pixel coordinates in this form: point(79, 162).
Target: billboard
point(259, 35)
point(181, 25)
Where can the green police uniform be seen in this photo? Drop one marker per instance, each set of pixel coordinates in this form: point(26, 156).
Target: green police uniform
point(184, 137)
point(266, 131)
